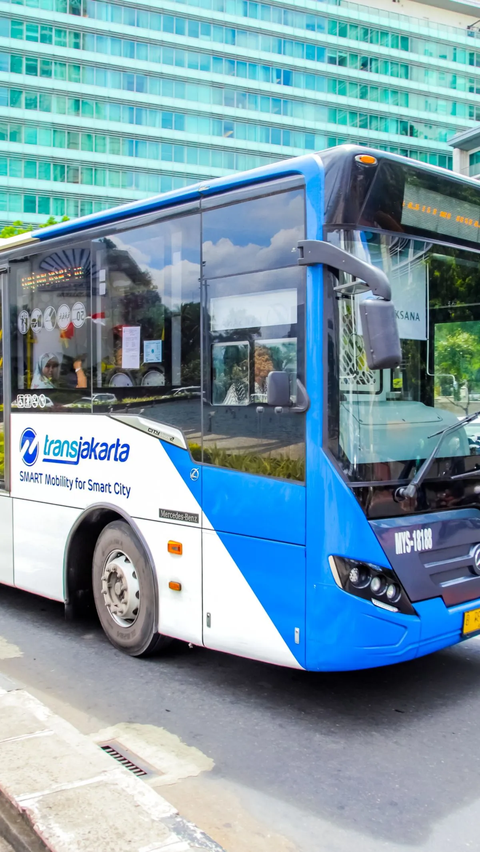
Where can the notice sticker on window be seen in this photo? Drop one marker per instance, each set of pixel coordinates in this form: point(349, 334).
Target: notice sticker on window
point(36, 320)
point(131, 347)
point(63, 317)
point(23, 322)
point(78, 314)
point(50, 318)
point(152, 351)
point(409, 295)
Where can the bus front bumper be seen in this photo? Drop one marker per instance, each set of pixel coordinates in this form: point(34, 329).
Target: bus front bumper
point(360, 635)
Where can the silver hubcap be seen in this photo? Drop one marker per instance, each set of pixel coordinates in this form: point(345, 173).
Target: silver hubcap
point(120, 588)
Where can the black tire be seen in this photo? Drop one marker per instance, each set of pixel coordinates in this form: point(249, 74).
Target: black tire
point(137, 634)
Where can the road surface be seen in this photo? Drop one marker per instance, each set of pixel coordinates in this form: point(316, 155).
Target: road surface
point(377, 761)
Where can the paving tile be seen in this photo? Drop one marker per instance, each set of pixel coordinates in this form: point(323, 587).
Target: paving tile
point(39, 764)
point(100, 816)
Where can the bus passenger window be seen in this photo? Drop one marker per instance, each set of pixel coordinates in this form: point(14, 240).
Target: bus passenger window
point(146, 321)
point(50, 348)
point(255, 325)
point(261, 233)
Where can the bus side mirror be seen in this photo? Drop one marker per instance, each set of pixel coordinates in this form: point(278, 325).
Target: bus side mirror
point(278, 389)
point(379, 320)
point(380, 334)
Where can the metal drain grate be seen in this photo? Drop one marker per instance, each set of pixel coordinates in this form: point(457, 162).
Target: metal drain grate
point(127, 759)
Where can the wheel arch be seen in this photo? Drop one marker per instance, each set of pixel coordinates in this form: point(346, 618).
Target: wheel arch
point(79, 550)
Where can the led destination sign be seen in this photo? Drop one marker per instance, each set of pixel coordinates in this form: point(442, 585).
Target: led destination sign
point(54, 279)
point(428, 210)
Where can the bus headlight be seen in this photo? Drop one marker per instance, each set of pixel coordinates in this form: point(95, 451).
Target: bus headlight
point(379, 585)
point(359, 576)
point(392, 593)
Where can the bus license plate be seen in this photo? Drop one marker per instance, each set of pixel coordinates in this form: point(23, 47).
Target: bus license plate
point(471, 621)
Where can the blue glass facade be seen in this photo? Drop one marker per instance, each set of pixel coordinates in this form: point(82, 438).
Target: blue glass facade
point(102, 103)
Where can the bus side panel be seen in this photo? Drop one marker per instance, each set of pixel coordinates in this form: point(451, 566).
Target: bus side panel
point(137, 476)
point(40, 536)
point(180, 612)
point(6, 538)
point(253, 505)
point(254, 598)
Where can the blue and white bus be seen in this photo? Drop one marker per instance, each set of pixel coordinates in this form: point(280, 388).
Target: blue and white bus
point(243, 414)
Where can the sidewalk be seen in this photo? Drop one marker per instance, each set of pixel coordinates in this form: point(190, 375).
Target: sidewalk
point(73, 794)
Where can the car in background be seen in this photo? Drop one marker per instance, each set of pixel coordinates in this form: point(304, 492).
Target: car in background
point(96, 399)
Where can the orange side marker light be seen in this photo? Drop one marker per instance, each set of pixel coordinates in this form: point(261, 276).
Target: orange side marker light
point(175, 547)
point(176, 587)
point(366, 159)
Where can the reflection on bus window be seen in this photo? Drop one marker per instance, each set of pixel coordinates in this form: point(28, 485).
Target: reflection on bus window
point(146, 321)
point(256, 327)
point(384, 422)
point(230, 374)
point(275, 355)
point(252, 235)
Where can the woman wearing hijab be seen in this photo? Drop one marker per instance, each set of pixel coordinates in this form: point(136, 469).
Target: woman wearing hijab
point(46, 371)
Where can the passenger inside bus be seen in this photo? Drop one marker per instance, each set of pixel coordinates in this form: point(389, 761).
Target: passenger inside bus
point(47, 372)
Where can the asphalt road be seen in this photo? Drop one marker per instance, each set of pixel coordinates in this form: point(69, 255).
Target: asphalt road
point(386, 759)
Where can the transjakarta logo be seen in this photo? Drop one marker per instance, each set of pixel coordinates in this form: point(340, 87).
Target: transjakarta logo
point(29, 447)
point(58, 451)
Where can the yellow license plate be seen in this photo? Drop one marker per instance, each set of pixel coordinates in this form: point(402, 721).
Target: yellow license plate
point(471, 621)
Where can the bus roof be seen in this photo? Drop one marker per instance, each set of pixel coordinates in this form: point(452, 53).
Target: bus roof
point(306, 165)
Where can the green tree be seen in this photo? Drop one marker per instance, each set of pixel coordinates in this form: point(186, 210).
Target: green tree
point(457, 353)
point(18, 227)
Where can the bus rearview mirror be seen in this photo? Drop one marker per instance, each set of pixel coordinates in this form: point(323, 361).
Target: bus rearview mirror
point(380, 334)
point(278, 389)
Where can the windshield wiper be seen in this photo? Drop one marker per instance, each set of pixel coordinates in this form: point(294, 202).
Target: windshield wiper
point(467, 474)
point(410, 490)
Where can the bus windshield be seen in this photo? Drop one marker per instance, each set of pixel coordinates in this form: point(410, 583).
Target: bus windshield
point(384, 423)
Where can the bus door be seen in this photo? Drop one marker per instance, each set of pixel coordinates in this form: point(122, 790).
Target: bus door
point(147, 355)
point(253, 489)
point(6, 533)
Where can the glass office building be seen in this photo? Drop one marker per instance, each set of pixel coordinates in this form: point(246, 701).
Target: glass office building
point(105, 102)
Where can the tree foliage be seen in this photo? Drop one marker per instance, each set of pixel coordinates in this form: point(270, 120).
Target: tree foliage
point(454, 284)
point(18, 227)
point(457, 353)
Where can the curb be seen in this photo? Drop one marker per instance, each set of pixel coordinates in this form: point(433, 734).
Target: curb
point(59, 791)
point(16, 830)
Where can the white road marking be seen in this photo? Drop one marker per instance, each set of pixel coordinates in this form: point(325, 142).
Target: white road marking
point(28, 737)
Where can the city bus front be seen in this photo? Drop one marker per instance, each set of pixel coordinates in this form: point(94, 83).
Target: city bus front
point(399, 479)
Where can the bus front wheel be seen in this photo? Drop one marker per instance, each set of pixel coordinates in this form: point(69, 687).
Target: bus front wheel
point(124, 591)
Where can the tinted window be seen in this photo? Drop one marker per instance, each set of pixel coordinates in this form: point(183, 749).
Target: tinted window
point(146, 319)
point(258, 234)
point(51, 330)
point(409, 200)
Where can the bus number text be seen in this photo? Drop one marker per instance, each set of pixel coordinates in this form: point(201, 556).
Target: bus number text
point(416, 540)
